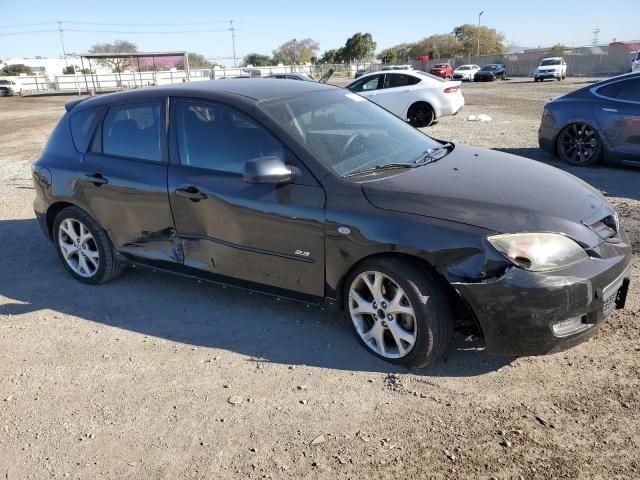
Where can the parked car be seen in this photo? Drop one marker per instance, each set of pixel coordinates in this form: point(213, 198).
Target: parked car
point(491, 72)
point(292, 76)
point(413, 95)
point(442, 70)
point(553, 67)
point(360, 72)
point(635, 62)
point(9, 88)
point(465, 72)
point(600, 122)
point(305, 190)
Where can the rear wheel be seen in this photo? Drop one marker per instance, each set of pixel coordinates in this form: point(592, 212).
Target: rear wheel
point(579, 144)
point(398, 312)
point(421, 115)
point(84, 247)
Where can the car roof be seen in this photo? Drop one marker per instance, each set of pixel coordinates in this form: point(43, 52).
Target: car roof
point(552, 58)
point(258, 89)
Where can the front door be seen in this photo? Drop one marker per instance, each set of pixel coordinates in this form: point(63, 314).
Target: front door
point(123, 180)
point(263, 233)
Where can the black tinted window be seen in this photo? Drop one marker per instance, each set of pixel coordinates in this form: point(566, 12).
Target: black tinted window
point(133, 131)
point(83, 124)
point(393, 80)
point(625, 90)
point(218, 138)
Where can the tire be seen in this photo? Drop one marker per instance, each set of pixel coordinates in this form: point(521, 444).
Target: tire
point(430, 325)
point(569, 146)
point(421, 115)
point(95, 250)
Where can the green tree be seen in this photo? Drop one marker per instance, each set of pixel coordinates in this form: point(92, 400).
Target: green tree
point(360, 47)
point(118, 46)
point(558, 50)
point(491, 41)
point(296, 51)
point(332, 56)
point(16, 69)
point(389, 56)
point(257, 60)
point(195, 61)
point(69, 70)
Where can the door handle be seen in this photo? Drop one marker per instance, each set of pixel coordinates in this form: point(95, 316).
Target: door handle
point(192, 193)
point(612, 110)
point(96, 178)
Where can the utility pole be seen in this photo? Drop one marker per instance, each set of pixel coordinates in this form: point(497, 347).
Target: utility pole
point(64, 53)
point(595, 36)
point(479, 15)
point(233, 42)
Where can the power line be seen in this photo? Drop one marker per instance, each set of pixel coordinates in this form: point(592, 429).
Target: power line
point(148, 24)
point(30, 31)
point(155, 32)
point(19, 25)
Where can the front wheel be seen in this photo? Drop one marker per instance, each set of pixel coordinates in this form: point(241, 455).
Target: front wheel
point(421, 115)
point(84, 247)
point(398, 312)
point(579, 144)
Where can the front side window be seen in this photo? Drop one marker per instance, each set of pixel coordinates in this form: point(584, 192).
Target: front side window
point(219, 138)
point(368, 84)
point(133, 131)
point(393, 80)
point(348, 133)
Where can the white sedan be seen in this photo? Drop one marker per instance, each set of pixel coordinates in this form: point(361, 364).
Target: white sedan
point(465, 72)
point(412, 95)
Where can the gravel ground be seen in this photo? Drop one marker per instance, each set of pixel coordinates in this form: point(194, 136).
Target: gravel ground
point(152, 376)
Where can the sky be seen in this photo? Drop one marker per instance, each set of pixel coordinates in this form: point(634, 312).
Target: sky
point(202, 26)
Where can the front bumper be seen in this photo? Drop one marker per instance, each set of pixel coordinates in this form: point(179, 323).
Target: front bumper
point(544, 75)
point(518, 311)
point(484, 78)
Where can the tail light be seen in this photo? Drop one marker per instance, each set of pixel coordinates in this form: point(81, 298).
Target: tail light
point(451, 89)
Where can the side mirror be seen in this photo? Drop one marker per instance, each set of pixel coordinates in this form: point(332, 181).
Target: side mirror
point(268, 170)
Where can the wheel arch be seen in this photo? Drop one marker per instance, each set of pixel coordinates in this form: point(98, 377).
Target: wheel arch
point(53, 211)
point(419, 102)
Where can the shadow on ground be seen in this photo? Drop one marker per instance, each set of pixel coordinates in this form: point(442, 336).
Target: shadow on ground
point(614, 181)
point(261, 327)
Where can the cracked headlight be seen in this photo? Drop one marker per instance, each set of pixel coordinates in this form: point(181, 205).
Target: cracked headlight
point(539, 252)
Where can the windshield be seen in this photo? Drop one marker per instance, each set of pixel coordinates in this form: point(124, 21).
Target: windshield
point(489, 68)
point(544, 63)
point(5, 82)
point(432, 77)
point(347, 132)
point(464, 67)
point(442, 65)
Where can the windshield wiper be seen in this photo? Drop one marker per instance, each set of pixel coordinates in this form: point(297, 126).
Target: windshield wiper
point(388, 166)
point(428, 156)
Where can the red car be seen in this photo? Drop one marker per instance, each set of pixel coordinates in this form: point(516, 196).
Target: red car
point(444, 70)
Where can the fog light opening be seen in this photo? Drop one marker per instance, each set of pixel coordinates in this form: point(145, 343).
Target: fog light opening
point(570, 326)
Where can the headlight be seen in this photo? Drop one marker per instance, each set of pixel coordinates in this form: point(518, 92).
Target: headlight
point(539, 252)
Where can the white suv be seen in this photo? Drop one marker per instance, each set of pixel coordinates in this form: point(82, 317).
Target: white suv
point(9, 88)
point(552, 67)
point(635, 62)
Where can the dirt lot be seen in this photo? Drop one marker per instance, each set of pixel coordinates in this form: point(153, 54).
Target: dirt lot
point(136, 378)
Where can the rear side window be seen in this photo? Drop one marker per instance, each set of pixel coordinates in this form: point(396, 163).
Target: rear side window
point(393, 80)
point(133, 131)
point(628, 90)
point(83, 124)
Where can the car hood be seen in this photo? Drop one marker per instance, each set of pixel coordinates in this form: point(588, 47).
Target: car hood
point(496, 191)
point(486, 72)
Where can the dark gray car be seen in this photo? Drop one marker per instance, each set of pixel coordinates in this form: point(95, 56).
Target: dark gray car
point(600, 122)
point(312, 192)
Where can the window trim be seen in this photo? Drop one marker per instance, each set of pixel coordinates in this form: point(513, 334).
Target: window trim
point(163, 160)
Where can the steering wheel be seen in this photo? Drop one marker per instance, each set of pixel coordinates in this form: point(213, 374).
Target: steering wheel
point(357, 140)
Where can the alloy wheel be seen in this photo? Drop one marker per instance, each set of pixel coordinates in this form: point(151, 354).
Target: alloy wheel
point(382, 314)
point(578, 144)
point(79, 248)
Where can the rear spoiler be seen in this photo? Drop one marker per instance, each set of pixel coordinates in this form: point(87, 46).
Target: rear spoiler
point(72, 104)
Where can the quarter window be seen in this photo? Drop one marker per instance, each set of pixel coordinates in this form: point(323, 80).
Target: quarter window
point(133, 131)
point(218, 138)
point(83, 124)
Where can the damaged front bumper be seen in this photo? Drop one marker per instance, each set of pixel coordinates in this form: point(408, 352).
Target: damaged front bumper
point(529, 313)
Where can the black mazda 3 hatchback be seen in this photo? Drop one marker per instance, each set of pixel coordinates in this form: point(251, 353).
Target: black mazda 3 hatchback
point(308, 191)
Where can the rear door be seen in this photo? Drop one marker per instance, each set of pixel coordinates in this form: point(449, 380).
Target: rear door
point(618, 113)
point(263, 233)
point(396, 92)
point(123, 179)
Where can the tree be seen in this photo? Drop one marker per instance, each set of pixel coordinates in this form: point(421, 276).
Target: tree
point(558, 50)
point(296, 51)
point(119, 46)
point(16, 69)
point(331, 56)
point(257, 60)
point(491, 41)
point(195, 61)
point(389, 56)
point(360, 46)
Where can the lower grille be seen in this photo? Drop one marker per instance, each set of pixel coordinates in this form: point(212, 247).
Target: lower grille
point(610, 294)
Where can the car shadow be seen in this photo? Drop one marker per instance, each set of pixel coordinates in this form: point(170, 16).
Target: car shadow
point(261, 327)
point(613, 181)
